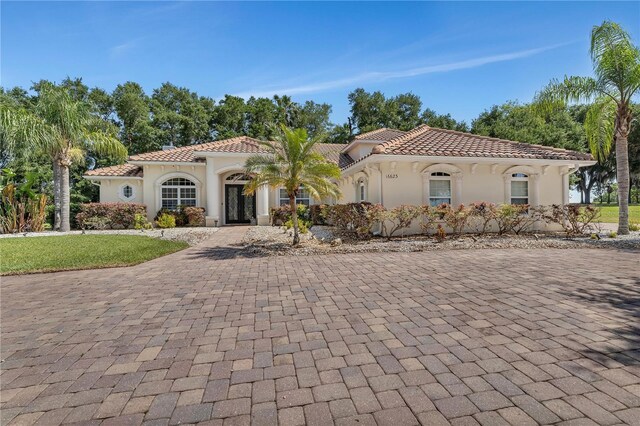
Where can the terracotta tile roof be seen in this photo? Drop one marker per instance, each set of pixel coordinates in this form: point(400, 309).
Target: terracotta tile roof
point(383, 134)
point(429, 141)
point(124, 170)
point(185, 153)
point(241, 144)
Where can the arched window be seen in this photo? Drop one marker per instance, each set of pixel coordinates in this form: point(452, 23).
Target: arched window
point(178, 192)
point(439, 188)
point(519, 188)
point(238, 176)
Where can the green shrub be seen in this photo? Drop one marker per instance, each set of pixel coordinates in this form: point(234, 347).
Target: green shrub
point(141, 222)
point(178, 215)
point(282, 214)
point(318, 214)
point(97, 222)
point(302, 227)
point(166, 220)
point(21, 208)
point(613, 234)
point(634, 227)
point(515, 218)
point(118, 215)
point(428, 217)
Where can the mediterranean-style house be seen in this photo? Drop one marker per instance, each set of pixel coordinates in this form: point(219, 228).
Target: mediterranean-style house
point(392, 167)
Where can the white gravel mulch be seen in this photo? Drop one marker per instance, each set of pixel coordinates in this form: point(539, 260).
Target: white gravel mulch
point(276, 241)
point(191, 236)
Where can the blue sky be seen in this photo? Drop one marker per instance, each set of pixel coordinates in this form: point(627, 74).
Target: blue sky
point(459, 57)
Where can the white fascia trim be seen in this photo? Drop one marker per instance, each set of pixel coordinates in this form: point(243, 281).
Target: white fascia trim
point(358, 141)
point(113, 177)
point(376, 158)
point(213, 154)
point(166, 163)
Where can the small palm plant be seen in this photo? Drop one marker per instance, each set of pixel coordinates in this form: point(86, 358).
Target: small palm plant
point(290, 162)
point(616, 67)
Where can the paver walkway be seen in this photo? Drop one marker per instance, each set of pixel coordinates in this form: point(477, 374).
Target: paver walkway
point(489, 336)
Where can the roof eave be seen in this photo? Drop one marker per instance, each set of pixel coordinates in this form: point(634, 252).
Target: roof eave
point(373, 158)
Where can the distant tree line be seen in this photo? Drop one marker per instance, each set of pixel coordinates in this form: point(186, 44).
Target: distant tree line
point(172, 115)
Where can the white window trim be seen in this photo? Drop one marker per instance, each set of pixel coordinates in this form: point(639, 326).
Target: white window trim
point(362, 190)
point(446, 178)
point(279, 199)
point(121, 192)
point(455, 175)
point(532, 177)
point(524, 178)
point(166, 177)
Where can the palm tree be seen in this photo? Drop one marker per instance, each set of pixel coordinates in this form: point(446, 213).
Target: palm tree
point(64, 129)
point(291, 162)
point(616, 68)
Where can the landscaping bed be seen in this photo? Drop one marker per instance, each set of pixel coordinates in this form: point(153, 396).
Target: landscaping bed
point(276, 241)
point(70, 252)
point(191, 235)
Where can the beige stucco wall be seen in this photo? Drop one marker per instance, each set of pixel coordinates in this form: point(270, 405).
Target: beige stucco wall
point(403, 183)
point(111, 191)
point(393, 184)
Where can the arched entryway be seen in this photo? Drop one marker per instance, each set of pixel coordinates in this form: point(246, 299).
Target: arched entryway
point(238, 208)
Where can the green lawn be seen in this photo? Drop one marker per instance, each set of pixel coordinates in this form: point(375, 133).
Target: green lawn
point(67, 252)
point(609, 213)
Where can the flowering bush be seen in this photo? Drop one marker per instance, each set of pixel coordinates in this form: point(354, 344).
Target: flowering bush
point(428, 218)
point(456, 218)
point(115, 215)
point(573, 218)
point(482, 214)
point(397, 218)
point(355, 220)
point(515, 218)
point(194, 215)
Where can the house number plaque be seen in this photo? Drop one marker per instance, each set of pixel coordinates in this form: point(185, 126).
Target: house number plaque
point(392, 176)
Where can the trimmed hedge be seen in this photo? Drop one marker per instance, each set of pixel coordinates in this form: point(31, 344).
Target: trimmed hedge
point(109, 215)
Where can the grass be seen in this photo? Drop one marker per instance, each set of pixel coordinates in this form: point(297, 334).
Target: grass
point(609, 213)
point(70, 252)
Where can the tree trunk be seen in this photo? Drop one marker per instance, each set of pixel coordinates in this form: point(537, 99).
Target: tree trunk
point(294, 219)
point(587, 196)
point(65, 225)
point(622, 168)
point(56, 195)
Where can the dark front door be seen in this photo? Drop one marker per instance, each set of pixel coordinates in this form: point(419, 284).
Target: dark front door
point(239, 208)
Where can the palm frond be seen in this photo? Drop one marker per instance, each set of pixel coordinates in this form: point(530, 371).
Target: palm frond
point(600, 126)
point(105, 144)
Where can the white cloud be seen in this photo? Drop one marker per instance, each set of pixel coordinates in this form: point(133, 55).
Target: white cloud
point(379, 76)
point(121, 49)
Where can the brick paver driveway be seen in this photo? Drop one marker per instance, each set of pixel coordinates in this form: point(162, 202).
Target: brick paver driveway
point(491, 337)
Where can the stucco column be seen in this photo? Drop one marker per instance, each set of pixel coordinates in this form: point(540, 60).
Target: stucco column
point(457, 189)
point(262, 198)
point(507, 188)
point(534, 187)
point(213, 195)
